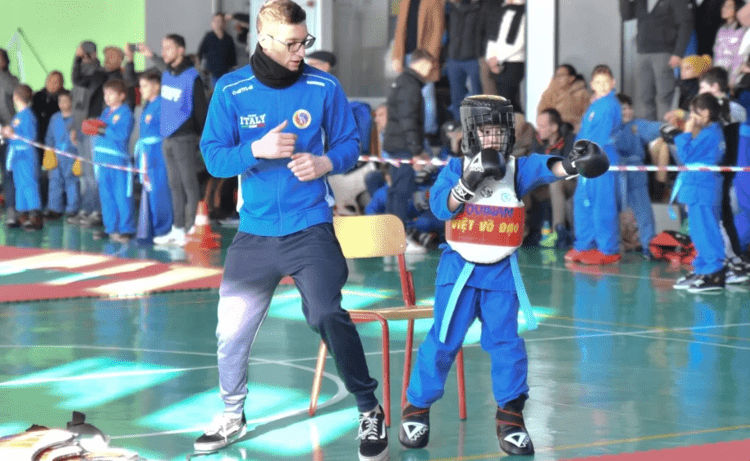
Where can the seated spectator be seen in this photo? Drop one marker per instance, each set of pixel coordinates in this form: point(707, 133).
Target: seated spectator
point(566, 93)
point(321, 60)
point(556, 137)
point(524, 136)
point(630, 141)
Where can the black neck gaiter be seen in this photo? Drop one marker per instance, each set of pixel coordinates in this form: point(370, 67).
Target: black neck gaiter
point(270, 72)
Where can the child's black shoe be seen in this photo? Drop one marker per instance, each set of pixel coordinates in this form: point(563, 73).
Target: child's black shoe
point(415, 427)
point(511, 430)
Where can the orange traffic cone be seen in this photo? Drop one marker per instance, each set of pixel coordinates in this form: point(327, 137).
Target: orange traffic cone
point(203, 238)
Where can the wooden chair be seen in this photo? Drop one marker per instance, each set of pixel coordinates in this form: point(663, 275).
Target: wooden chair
point(378, 236)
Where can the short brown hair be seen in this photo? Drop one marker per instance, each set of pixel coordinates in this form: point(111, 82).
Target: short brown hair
point(280, 12)
point(116, 85)
point(602, 69)
point(151, 76)
point(23, 92)
point(421, 53)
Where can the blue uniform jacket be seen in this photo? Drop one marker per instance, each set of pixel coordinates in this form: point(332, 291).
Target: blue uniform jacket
point(58, 133)
point(700, 187)
point(631, 137)
point(242, 110)
point(531, 172)
point(601, 120)
point(24, 124)
point(112, 147)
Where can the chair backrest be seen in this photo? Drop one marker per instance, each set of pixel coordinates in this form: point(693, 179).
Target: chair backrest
point(370, 236)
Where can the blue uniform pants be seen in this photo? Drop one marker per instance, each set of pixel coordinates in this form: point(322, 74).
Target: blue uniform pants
point(595, 213)
point(742, 218)
point(62, 181)
point(26, 180)
point(117, 207)
point(253, 268)
point(634, 184)
point(498, 312)
point(706, 236)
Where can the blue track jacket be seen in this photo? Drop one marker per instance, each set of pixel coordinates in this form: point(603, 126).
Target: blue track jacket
point(242, 110)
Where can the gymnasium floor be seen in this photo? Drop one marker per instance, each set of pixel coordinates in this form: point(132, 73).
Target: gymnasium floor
point(620, 363)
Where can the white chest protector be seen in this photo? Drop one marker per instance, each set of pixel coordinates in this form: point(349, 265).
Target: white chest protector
point(490, 227)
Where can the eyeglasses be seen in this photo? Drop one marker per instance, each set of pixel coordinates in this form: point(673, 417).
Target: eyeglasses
point(293, 47)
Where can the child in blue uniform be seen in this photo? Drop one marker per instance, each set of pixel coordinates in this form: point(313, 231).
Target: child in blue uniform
point(148, 155)
point(702, 144)
point(23, 161)
point(111, 147)
point(478, 275)
point(630, 140)
point(595, 211)
point(62, 181)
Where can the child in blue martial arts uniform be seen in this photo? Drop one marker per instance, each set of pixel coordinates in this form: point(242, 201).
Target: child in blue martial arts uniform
point(111, 134)
point(702, 144)
point(62, 181)
point(630, 140)
point(595, 212)
point(148, 155)
point(23, 161)
point(478, 275)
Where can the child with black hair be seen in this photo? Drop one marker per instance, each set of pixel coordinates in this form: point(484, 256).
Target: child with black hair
point(702, 144)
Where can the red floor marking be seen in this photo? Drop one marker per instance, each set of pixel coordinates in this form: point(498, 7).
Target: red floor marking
point(722, 451)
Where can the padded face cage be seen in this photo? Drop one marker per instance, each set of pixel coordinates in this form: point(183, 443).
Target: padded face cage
point(480, 110)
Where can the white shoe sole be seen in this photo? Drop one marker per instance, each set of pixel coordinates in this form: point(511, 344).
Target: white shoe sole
point(220, 444)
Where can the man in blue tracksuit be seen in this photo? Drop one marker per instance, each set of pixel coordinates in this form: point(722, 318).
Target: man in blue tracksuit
point(630, 139)
point(148, 155)
point(478, 275)
point(595, 210)
point(266, 123)
point(22, 159)
point(111, 148)
point(62, 181)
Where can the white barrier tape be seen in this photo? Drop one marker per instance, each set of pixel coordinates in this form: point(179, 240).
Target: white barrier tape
point(434, 161)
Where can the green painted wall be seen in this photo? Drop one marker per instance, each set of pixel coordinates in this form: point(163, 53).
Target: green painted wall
point(56, 27)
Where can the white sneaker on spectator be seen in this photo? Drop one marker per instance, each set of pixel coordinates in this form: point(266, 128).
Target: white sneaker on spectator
point(172, 238)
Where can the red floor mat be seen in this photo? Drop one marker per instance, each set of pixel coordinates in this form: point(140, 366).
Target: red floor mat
point(29, 274)
point(722, 451)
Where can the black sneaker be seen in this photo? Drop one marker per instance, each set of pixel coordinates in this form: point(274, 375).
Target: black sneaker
point(373, 435)
point(735, 271)
point(223, 430)
point(708, 283)
point(685, 282)
point(511, 430)
point(414, 431)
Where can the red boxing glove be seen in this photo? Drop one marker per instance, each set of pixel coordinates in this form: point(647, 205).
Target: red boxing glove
point(91, 126)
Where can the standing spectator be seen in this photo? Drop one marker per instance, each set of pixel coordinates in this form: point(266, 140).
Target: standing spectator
point(183, 113)
point(597, 223)
point(502, 36)
point(217, 48)
point(567, 94)
point(556, 137)
point(461, 62)
point(62, 181)
point(664, 28)
point(728, 39)
point(702, 143)
point(148, 154)
point(8, 83)
point(630, 139)
point(286, 218)
point(23, 160)
point(321, 60)
point(420, 25)
point(44, 104)
point(403, 137)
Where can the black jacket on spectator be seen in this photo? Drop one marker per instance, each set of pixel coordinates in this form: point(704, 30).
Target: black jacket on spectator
point(666, 29)
point(43, 104)
point(218, 52)
point(707, 23)
point(491, 17)
point(562, 147)
point(463, 21)
point(404, 131)
point(93, 82)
